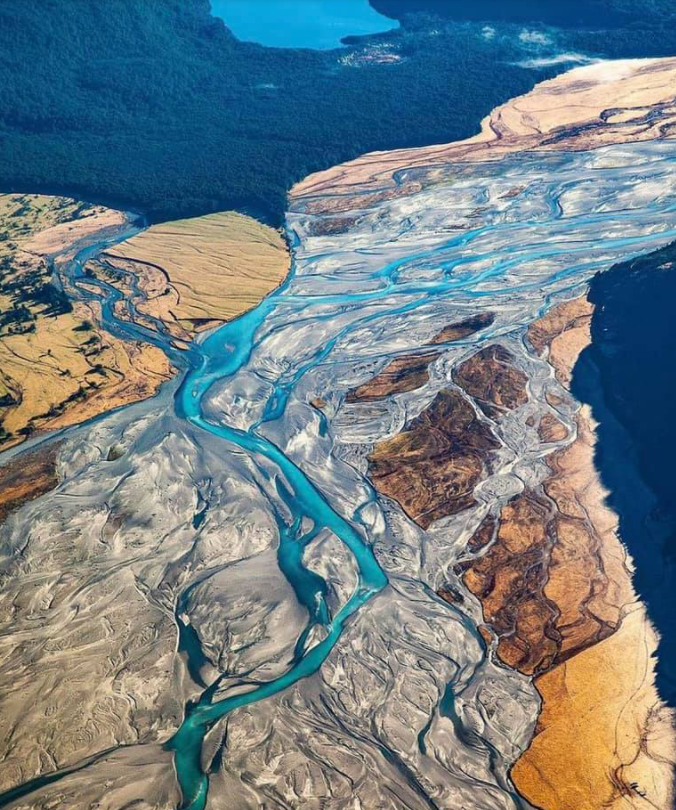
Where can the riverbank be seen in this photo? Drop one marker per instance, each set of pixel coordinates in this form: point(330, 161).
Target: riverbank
point(60, 367)
point(554, 584)
point(602, 688)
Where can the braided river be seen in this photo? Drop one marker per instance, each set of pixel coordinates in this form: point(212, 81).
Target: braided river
point(512, 237)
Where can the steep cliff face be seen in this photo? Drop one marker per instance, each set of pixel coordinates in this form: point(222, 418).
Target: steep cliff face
point(600, 688)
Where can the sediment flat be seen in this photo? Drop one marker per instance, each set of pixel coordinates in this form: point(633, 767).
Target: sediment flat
point(549, 569)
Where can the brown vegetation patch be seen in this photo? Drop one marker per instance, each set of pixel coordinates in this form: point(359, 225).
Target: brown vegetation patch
point(331, 226)
point(553, 399)
point(450, 594)
point(492, 379)
point(432, 467)
point(548, 586)
point(464, 328)
point(551, 429)
point(27, 477)
point(483, 535)
point(399, 376)
point(509, 581)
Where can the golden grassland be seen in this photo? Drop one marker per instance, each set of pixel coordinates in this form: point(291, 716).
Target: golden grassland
point(604, 739)
point(21, 217)
point(201, 271)
point(64, 376)
point(56, 365)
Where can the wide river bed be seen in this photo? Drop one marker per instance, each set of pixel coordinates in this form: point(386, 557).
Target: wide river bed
point(346, 662)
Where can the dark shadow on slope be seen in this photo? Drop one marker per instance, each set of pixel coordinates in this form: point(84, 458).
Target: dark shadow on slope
point(628, 376)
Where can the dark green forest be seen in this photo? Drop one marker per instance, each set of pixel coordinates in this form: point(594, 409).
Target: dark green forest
point(655, 16)
point(154, 105)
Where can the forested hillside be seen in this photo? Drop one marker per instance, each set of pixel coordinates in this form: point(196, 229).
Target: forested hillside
point(153, 104)
point(654, 16)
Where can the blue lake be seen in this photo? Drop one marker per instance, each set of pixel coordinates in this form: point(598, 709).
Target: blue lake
point(319, 24)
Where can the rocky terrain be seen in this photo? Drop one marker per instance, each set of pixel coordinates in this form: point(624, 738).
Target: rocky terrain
point(357, 554)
